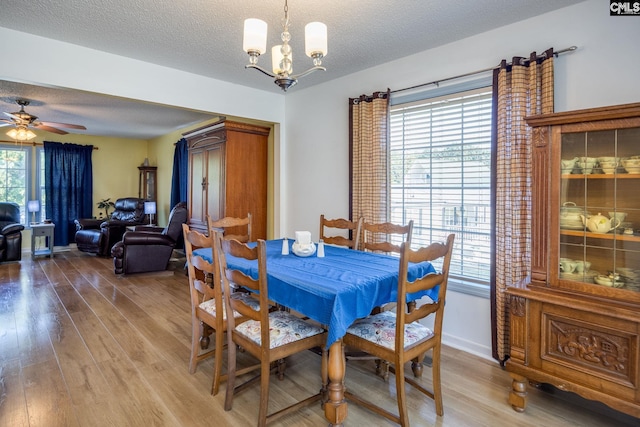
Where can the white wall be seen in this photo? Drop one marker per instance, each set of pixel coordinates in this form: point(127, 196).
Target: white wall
point(70, 66)
point(601, 72)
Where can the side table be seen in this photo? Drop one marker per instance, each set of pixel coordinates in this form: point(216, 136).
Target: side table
point(46, 231)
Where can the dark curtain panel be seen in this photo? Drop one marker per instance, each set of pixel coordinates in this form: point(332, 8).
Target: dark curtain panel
point(180, 173)
point(523, 88)
point(68, 178)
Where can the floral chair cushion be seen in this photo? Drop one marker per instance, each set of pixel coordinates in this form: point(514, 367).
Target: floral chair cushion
point(380, 329)
point(284, 328)
point(210, 305)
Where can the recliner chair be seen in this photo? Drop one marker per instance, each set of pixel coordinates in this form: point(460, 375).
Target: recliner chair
point(149, 248)
point(10, 232)
point(98, 236)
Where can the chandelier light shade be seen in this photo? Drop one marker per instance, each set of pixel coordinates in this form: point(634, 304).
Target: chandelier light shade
point(255, 36)
point(255, 44)
point(315, 40)
point(21, 133)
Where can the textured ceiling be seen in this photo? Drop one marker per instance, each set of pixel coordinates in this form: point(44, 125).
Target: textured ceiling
point(205, 37)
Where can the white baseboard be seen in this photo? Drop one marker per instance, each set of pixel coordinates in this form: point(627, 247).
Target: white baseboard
point(468, 346)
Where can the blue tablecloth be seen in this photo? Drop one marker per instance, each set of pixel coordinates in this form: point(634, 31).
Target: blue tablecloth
point(335, 290)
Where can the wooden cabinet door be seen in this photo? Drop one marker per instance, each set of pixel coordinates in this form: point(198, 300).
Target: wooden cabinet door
point(215, 181)
point(197, 188)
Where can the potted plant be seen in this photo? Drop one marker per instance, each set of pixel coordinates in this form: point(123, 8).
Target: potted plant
point(106, 204)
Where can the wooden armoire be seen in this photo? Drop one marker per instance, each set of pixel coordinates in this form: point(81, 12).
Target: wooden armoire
point(228, 174)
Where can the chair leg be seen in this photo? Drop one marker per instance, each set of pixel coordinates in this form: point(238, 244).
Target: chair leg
point(217, 364)
point(195, 341)
point(382, 369)
point(282, 365)
point(265, 372)
point(437, 389)
point(416, 366)
point(231, 372)
point(204, 339)
point(400, 392)
point(324, 376)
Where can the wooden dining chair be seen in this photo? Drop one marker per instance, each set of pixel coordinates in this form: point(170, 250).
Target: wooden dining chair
point(207, 305)
point(267, 335)
point(233, 228)
point(400, 337)
point(376, 237)
point(352, 227)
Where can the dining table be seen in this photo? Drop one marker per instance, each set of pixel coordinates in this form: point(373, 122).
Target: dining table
point(334, 290)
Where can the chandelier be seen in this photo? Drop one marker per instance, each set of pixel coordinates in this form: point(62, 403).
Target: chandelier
point(255, 44)
point(21, 133)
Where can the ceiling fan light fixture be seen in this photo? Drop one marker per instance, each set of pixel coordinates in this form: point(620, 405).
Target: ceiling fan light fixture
point(21, 133)
point(255, 44)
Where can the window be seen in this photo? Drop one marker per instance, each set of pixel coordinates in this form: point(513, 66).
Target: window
point(15, 168)
point(440, 152)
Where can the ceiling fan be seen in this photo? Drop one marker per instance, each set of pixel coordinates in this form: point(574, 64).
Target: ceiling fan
point(23, 120)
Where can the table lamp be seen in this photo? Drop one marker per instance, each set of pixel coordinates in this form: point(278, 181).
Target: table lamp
point(33, 206)
point(150, 209)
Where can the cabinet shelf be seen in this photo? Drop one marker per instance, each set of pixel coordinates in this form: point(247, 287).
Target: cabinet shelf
point(605, 236)
point(601, 176)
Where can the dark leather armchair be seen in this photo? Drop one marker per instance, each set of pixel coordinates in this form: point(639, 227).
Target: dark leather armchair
point(149, 248)
point(98, 236)
point(10, 232)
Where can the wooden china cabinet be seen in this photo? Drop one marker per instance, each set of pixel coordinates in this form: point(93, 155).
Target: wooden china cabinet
point(228, 174)
point(577, 325)
point(147, 182)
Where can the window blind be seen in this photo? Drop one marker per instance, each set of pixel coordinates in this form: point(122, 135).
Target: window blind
point(440, 151)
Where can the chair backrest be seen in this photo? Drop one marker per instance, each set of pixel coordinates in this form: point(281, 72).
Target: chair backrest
point(353, 228)
point(9, 214)
point(177, 217)
point(229, 276)
point(130, 209)
point(233, 228)
point(433, 252)
point(200, 270)
point(375, 237)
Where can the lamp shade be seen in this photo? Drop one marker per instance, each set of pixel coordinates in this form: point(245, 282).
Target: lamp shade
point(21, 133)
point(149, 208)
point(33, 205)
point(255, 36)
point(315, 39)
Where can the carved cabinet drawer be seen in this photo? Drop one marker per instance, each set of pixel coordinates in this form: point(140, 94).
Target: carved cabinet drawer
point(590, 349)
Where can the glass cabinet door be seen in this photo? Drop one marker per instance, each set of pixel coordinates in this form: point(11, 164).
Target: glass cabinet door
point(599, 236)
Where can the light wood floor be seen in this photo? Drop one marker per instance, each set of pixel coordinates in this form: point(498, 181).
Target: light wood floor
point(80, 346)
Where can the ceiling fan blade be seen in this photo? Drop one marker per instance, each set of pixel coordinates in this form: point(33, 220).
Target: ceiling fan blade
point(50, 129)
point(13, 116)
point(62, 125)
point(5, 123)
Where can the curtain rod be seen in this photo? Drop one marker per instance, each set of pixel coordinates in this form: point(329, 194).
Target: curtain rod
point(437, 82)
point(33, 144)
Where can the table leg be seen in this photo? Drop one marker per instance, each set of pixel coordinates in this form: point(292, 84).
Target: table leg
point(335, 409)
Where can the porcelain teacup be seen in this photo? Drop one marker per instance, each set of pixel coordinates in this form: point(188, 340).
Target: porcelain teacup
point(582, 266)
point(620, 216)
point(568, 165)
point(587, 167)
point(567, 265)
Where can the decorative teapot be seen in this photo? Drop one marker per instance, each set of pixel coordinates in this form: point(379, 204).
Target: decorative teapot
point(599, 223)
